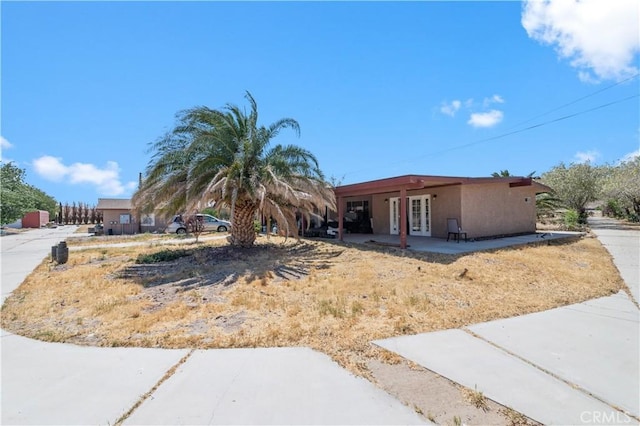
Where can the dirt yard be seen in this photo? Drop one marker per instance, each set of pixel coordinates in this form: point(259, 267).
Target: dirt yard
point(329, 296)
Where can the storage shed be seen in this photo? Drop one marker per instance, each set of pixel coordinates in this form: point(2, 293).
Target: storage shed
point(35, 219)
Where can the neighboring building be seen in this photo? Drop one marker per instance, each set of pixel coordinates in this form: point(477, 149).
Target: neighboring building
point(35, 219)
point(118, 218)
point(420, 205)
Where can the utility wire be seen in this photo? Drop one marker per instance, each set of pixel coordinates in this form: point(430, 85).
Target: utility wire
point(509, 133)
point(535, 125)
point(575, 101)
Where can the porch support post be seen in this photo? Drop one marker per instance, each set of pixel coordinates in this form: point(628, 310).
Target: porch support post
point(340, 216)
point(403, 218)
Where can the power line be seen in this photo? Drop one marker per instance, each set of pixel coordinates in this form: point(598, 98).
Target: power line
point(575, 101)
point(534, 126)
point(509, 133)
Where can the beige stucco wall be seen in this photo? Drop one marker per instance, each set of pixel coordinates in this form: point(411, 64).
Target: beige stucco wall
point(110, 216)
point(491, 209)
point(445, 202)
point(482, 210)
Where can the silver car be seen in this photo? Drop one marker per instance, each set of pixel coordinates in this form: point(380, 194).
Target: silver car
point(211, 223)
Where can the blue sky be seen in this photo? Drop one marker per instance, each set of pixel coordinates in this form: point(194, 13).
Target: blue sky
point(380, 89)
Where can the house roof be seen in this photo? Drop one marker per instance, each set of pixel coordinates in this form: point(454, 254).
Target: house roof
point(113, 204)
point(412, 182)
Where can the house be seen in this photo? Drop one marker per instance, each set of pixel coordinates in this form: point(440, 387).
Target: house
point(118, 218)
point(420, 205)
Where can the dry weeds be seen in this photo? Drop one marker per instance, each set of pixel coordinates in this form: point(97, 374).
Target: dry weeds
point(331, 297)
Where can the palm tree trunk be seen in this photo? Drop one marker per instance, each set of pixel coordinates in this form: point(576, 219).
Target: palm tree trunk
point(243, 233)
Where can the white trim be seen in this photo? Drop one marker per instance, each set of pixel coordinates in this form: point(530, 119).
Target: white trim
point(394, 215)
point(422, 217)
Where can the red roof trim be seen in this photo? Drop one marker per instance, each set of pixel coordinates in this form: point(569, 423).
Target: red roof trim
point(412, 182)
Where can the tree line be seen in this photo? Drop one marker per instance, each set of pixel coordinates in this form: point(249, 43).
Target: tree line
point(615, 187)
point(18, 198)
point(78, 214)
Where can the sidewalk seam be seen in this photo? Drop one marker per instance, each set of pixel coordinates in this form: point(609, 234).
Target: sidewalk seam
point(170, 372)
point(555, 376)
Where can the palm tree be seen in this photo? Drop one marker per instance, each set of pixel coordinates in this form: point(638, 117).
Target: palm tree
point(506, 173)
point(224, 156)
point(502, 173)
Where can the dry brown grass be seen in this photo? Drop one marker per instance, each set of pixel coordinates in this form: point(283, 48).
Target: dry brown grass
point(332, 297)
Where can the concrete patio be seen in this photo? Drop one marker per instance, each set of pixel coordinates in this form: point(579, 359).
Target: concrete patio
point(441, 245)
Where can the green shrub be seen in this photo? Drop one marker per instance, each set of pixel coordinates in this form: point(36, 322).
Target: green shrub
point(571, 219)
point(162, 256)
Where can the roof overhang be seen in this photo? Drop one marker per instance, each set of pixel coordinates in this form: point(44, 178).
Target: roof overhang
point(414, 182)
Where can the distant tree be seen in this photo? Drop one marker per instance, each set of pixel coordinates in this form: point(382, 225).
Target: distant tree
point(67, 213)
point(213, 212)
point(501, 173)
point(93, 215)
point(86, 214)
point(621, 187)
point(505, 173)
point(18, 197)
point(225, 156)
point(575, 185)
point(74, 213)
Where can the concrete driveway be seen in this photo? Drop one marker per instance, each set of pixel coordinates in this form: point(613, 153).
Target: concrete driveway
point(54, 383)
point(578, 364)
point(573, 365)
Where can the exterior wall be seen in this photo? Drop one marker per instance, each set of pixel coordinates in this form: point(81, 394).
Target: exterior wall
point(445, 203)
point(111, 221)
point(380, 213)
point(36, 219)
point(482, 210)
point(492, 210)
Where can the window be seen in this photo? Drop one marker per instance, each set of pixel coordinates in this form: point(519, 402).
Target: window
point(358, 206)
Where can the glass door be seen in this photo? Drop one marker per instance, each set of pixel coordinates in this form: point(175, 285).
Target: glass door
point(419, 215)
point(394, 216)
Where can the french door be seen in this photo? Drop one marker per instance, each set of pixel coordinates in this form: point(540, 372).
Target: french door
point(418, 210)
point(394, 215)
point(419, 215)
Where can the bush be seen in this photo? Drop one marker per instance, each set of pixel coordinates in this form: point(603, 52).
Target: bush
point(613, 209)
point(162, 256)
point(571, 219)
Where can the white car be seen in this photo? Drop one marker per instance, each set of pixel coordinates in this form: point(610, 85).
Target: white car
point(211, 223)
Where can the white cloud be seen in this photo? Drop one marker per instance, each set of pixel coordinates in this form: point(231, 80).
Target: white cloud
point(630, 156)
point(106, 180)
point(495, 99)
point(599, 38)
point(586, 157)
point(4, 144)
point(450, 109)
point(485, 119)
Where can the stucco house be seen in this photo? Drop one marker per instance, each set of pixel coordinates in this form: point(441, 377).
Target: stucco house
point(420, 205)
point(118, 218)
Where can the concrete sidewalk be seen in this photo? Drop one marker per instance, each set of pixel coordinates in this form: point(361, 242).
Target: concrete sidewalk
point(624, 245)
point(573, 365)
point(53, 383)
point(23, 251)
point(578, 364)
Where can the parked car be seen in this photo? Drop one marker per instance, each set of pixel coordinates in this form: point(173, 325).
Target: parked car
point(210, 223)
